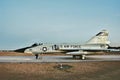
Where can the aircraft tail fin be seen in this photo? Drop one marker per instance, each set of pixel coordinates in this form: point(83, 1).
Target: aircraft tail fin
point(100, 38)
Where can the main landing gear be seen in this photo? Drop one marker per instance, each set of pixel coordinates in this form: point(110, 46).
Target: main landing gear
point(79, 57)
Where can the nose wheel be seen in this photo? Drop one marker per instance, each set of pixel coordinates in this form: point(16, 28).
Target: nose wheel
point(36, 56)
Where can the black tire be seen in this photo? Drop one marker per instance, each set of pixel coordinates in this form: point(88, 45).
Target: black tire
point(36, 55)
point(74, 56)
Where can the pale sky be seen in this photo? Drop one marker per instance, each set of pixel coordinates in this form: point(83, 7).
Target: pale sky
point(24, 22)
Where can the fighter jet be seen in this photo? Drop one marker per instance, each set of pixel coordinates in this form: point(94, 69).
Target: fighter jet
point(97, 43)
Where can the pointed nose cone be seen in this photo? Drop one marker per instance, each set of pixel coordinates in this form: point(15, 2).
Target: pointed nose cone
point(21, 50)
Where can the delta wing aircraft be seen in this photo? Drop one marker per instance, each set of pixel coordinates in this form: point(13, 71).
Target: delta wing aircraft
point(97, 43)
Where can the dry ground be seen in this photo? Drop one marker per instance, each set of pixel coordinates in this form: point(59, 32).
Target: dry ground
point(29, 54)
point(25, 54)
point(46, 71)
point(14, 54)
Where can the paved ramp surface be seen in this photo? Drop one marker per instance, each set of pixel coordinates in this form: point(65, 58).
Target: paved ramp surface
point(58, 58)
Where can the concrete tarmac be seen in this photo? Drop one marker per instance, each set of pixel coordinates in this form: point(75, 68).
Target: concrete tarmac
point(25, 59)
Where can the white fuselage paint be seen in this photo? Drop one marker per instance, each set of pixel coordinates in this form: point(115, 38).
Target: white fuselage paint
point(52, 48)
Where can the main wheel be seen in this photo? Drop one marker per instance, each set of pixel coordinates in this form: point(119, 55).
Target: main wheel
point(74, 56)
point(82, 57)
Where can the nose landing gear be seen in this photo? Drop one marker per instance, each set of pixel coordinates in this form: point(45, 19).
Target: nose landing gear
point(36, 56)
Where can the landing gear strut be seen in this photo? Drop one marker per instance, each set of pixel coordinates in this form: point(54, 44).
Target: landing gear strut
point(36, 56)
point(82, 57)
point(79, 57)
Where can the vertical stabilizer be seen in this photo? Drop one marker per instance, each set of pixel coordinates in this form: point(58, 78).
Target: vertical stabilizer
point(100, 38)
